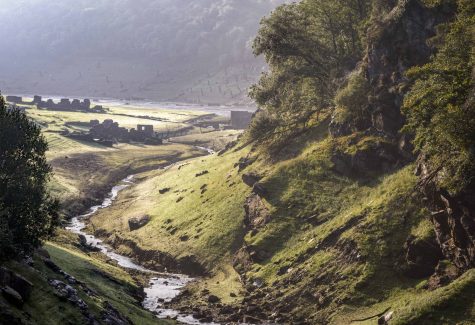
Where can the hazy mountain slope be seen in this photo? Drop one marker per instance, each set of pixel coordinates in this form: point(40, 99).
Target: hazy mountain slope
point(161, 49)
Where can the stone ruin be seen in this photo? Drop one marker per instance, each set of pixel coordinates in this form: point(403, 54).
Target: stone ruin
point(14, 99)
point(65, 104)
point(109, 132)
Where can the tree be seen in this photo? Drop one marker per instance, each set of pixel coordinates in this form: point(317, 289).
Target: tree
point(309, 46)
point(440, 107)
point(27, 212)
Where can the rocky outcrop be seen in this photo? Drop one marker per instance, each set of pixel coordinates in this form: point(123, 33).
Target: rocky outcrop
point(256, 212)
point(250, 179)
point(67, 292)
point(376, 158)
point(13, 283)
point(154, 259)
point(398, 42)
point(453, 218)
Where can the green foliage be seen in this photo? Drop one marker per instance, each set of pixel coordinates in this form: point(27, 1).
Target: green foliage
point(352, 100)
point(28, 213)
point(440, 107)
point(309, 47)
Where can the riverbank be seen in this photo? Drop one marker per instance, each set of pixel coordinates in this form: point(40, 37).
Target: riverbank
point(162, 287)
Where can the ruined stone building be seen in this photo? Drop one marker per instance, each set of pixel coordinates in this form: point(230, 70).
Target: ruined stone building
point(240, 120)
point(111, 130)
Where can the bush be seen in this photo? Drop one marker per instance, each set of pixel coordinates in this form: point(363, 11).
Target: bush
point(352, 100)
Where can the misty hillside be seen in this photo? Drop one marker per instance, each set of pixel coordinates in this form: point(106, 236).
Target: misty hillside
point(191, 51)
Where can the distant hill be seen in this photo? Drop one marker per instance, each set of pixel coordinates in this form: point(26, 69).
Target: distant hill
point(177, 50)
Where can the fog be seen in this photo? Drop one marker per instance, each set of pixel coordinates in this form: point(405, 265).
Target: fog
point(170, 50)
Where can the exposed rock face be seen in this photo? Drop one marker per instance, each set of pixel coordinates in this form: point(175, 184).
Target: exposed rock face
point(66, 292)
point(138, 222)
point(453, 218)
point(378, 158)
point(444, 274)
point(257, 214)
point(397, 44)
point(157, 260)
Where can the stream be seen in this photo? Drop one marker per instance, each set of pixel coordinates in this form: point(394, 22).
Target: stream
point(162, 286)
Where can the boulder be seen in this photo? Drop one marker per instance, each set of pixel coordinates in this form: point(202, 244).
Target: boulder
point(256, 212)
point(82, 240)
point(138, 222)
point(213, 299)
point(15, 281)
point(164, 190)
point(384, 319)
point(12, 296)
point(251, 178)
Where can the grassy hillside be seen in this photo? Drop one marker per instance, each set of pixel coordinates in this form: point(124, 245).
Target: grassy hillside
point(331, 247)
point(199, 215)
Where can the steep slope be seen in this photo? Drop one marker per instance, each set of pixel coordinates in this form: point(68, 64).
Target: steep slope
point(319, 245)
point(325, 221)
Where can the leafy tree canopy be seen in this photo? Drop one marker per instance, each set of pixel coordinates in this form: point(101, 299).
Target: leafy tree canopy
point(309, 47)
point(440, 107)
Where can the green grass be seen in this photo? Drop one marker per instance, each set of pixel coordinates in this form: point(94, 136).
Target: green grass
point(212, 221)
point(83, 178)
point(452, 304)
point(311, 206)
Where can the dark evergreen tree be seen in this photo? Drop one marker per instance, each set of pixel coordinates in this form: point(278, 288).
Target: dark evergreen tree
point(27, 212)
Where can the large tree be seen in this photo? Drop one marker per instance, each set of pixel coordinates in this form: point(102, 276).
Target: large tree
point(310, 47)
point(27, 212)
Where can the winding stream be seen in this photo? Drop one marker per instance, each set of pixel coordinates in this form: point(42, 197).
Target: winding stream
point(162, 286)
